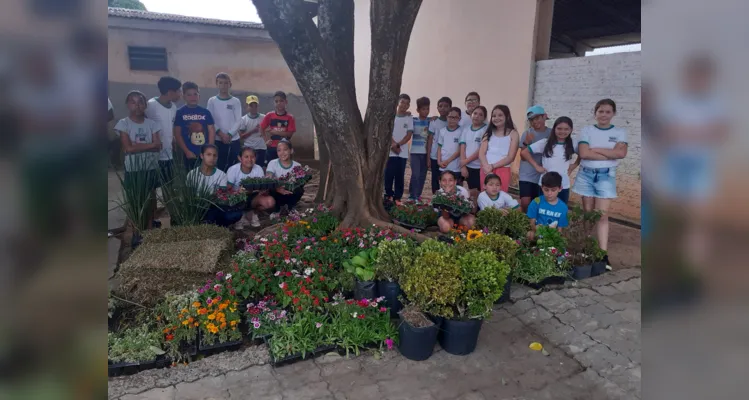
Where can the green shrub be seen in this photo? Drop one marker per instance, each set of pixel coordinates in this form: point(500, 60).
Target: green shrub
point(512, 223)
point(536, 265)
point(547, 237)
point(433, 282)
point(492, 219)
point(432, 245)
point(484, 279)
point(392, 258)
point(503, 247)
point(517, 224)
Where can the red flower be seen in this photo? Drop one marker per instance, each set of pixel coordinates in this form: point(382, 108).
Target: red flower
point(316, 302)
point(288, 274)
point(296, 300)
point(360, 316)
point(169, 337)
point(322, 279)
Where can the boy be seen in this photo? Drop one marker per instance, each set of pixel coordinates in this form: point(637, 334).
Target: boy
point(418, 149)
point(248, 128)
point(472, 101)
point(548, 209)
point(162, 110)
point(403, 130)
point(528, 176)
point(191, 124)
point(435, 126)
point(226, 111)
point(277, 124)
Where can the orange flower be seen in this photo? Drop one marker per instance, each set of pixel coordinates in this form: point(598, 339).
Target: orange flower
point(196, 304)
point(223, 325)
point(324, 238)
point(222, 306)
point(220, 315)
point(233, 323)
point(197, 324)
point(212, 316)
point(202, 311)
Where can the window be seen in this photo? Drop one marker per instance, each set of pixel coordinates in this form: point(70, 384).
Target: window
point(147, 58)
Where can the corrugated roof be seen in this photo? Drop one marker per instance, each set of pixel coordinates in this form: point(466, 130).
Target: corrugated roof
point(154, 16)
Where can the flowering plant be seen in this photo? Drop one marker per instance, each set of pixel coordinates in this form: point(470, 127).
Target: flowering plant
point(547, 236)
point(134, 345)
point(357, 324)
point(460, 233)
point(453, 203)
point(177, 318)
point(297, 178)
point(535, 265)
point(264, 316)
point(231, 198)
point(414, 214)
point(219, 320)
point(512, 223)
point(301, 333)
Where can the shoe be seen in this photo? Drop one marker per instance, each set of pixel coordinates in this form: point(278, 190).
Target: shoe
point(255, 221)
point(284, 210)
point(607, 262)
point(239, 225)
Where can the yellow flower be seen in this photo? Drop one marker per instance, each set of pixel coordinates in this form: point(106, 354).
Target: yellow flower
point(222, 306)
point(185, 322)
point(233, 309)
point(472, 234)
point(184, 310)
point(233, 323)
point(212, 316)
point(196, 304)
point(197, 324)
point(220, 315)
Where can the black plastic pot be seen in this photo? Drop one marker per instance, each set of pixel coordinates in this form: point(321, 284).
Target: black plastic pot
point(416, 343)
point(365, 290)
point(136, 240)
point(599, 267)
point(581, 271)
point(391, 291)
point(209, 349)
point(460, 337)
point(506, 292)
point(552, 280)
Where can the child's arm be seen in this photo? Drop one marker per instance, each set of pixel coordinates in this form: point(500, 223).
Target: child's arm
point(463, 159)
point(157, 140)
point(291, 129)
point(532, 232)
point(211, 134)
point(407, 138)
point(454, 156)
point(514, 145)
point(482, 156)
point(439, 156)
point(131, 148)
point(586, 153)
point(430, 139)
point(526, 155)
point(574, 165)
point(181, 142)
point(618, 152)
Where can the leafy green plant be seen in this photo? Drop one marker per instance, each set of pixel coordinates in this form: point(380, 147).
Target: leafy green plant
point(355, 325)
point(484, 278)
point(548, 237)
point(432, 245)
point(583, 248)
point(433, 282)
point(516, 224)
point(512, 223)
point(302, 333)
point(535, 265)
point(393, 256)
point(362, 265)
point(186, 197)
point(503, 247)
point(136, 344)
point(414, 213)
point(138, 193)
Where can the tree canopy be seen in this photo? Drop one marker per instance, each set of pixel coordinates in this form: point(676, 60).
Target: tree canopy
point(129, 4)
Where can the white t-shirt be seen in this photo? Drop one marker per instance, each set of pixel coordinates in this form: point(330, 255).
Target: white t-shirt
point(472, 139)
point(234, 174)
point(207, 183)
point(434, 130)
point(142, 133)
point(498, 148)
point(556, 162)
point(401, 127)
point(165, 118)
point(276, 170)
point(462, 192)
point(109, 104)
point(602, 139)
point(226, 113)
point(503, 200)
point(247, 123)
point(449, 143)
point(465, 119)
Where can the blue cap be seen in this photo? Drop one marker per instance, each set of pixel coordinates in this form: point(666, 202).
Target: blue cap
point(535, 111)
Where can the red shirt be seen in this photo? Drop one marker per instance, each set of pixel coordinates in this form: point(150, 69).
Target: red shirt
point(278, 123)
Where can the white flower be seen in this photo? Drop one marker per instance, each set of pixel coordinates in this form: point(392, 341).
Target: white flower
point(277, 273)
point(309, 271)
point(263, 239)
point(295, 272)
point(335, 303)
point(228, 276)
point(307, 248)
point(287, 261)
point(281, 285)
point(553, 224)
point(345, 251)
point(294, 260)
point(318, 325)
point(354, 314)
point(379, 299)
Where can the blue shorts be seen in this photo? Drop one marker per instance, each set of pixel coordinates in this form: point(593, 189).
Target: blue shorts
point(596, 182)
point(688, 174)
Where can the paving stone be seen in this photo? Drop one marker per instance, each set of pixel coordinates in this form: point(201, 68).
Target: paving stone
point(310, 391)
point(520, 307)
point(534, 315)
point(253, 383)
point(297, 375)
point(153, 394)
point(518, 292)
point(340, 367)
point(579, 343)
point(595, 310)
point(569, 292)
point(626, 286)
point(600, 357)
point(580, 321)
point(361, 392)
point(207, 388)
point(553, 302)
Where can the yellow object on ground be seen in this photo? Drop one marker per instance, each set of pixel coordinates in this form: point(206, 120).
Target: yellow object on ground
point(536, 346)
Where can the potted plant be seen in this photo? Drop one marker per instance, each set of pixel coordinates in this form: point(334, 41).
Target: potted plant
point(296, 179)
point(582, 248)
point(253, 184)
point(392, 258)
point(234, 199)
point(538, 267)
point(133, 350)
point(359, 324)
point(297, 337)
point(136, 196)
point(417, 334)
point(219, 324)
point(512, 223)
point(503, 247)
point(596, 254)
point(263, 318)
point(453, 203)
point(414, 214)
point(362, 267)
point(178, 319)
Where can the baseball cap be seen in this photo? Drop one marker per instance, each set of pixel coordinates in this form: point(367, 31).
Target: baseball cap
point(252, 99)
point(535, 111)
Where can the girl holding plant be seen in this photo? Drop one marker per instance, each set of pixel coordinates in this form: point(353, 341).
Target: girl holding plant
point(448, 186)
point(280, 168)
point(258, 200)
point(206, 179)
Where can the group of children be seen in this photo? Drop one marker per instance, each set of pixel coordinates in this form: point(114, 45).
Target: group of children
point(460, 147)
point(219, 145)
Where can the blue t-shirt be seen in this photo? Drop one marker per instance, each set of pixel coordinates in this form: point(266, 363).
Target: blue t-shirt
point(419, 139)
point(193, 122)
point(546, 214)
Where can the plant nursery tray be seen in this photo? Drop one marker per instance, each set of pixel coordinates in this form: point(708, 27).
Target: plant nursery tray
point(450, 210)
point(552, 280)
point(251, 187)
point(416, 228)
point(292, 358)
point(129, 368)
point(220, 347)
point(237, 207)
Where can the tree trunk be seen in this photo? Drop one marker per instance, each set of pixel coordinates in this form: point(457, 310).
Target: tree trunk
point(321, 58)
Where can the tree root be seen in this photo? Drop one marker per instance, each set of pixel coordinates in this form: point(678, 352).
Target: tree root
point(396, 228)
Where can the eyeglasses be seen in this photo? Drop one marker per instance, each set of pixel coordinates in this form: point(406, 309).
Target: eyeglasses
point(450, 117)
point(472, 100)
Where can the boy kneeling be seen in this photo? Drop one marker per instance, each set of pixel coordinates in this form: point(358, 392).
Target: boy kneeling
point(548, 209)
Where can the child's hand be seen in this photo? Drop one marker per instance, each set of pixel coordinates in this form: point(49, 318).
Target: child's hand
point(528, 138)
point(541, 170)
point(464, 172)
point(570, 169)
point(531, 235)
point(487, 169)
point(283, 191)
point(504, 211)
point(443, 164)
point(429, 163)
point(190, 155)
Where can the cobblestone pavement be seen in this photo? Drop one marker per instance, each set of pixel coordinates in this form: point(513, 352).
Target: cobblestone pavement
point(590, 329)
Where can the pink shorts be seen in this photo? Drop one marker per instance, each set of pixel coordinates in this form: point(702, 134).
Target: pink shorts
point(505, 175)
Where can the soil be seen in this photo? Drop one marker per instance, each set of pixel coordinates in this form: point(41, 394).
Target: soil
point(415, 318)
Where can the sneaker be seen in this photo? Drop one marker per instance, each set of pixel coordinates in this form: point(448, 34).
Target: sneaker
point(607, 262)
point(239, 225)
point(255, 221)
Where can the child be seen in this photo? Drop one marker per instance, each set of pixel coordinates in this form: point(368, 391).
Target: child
point(206, 179)
point(249, 130)
point(448, 184)
point(499, 146)
point(279, 168)
point(277, 125)
point(141, 143)
point(472, 101)
point(247, 168)
point(470, 142)
point(226, 111)
point(162, 110)
point(493, 196)
point(528, 176)
point(548, 209)
point(418, 149)
point(601, 147)
point(449, 144)
point(191, 125)
point(435, 126)
point(556, 154)
point(395, 170)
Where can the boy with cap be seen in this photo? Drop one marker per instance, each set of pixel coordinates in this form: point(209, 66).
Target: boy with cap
point(248, 128)
point(528, 176)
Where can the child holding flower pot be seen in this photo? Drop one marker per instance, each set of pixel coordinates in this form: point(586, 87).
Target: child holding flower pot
point(207, 179)
point(280, 168)
point(448, 186)
point(257, 200)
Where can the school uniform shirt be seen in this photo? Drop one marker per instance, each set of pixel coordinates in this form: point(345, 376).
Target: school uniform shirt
point(278, 123)
point(546, 214)
point(235, 175)
point(598, 138)
point(403, 124)
point(526, 172)
point(226, 113)
point(276, 170)
point(462, 192)
point(556, 162)
point(419, 139)
point(472, 139)
point(193, 122)
point(503, 200)
point(434, 130)
point(139, 133)
point(248, 123)
point(164, 116)
point(450, 143)
point(465, 119)
point(207, 183)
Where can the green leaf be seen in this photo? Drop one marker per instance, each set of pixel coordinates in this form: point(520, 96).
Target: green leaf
point(156, 350)
point(359, 260)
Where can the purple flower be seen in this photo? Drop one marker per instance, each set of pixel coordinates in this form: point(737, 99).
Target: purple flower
point(389, 343)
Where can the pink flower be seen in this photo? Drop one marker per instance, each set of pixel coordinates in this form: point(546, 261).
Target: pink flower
point(383, 309)
point(389, 343)
point(318, 325)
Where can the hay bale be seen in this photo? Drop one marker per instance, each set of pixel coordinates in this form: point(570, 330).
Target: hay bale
point(186, 233)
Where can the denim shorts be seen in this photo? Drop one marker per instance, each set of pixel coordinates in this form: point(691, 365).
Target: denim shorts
point(596, 182)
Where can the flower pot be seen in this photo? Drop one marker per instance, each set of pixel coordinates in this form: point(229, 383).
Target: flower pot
point(365, 290)
point(598, 268)
point(136, 240)
point(209, 349)
point(506, 292)
point(416, 343)
point(391, 291)
point(460, 337)
point(581, 271)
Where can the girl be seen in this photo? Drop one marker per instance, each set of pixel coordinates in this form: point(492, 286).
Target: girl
point(448, 184)
point(470, 142)
point(279, 168)
point(259, 200)
point(206, 178)
point(601, 147)
point(499, 147)
point(556, 153)
point(493, 196)
point(449, 144)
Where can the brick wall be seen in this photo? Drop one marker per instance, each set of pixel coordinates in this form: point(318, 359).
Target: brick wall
point(572, 86)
